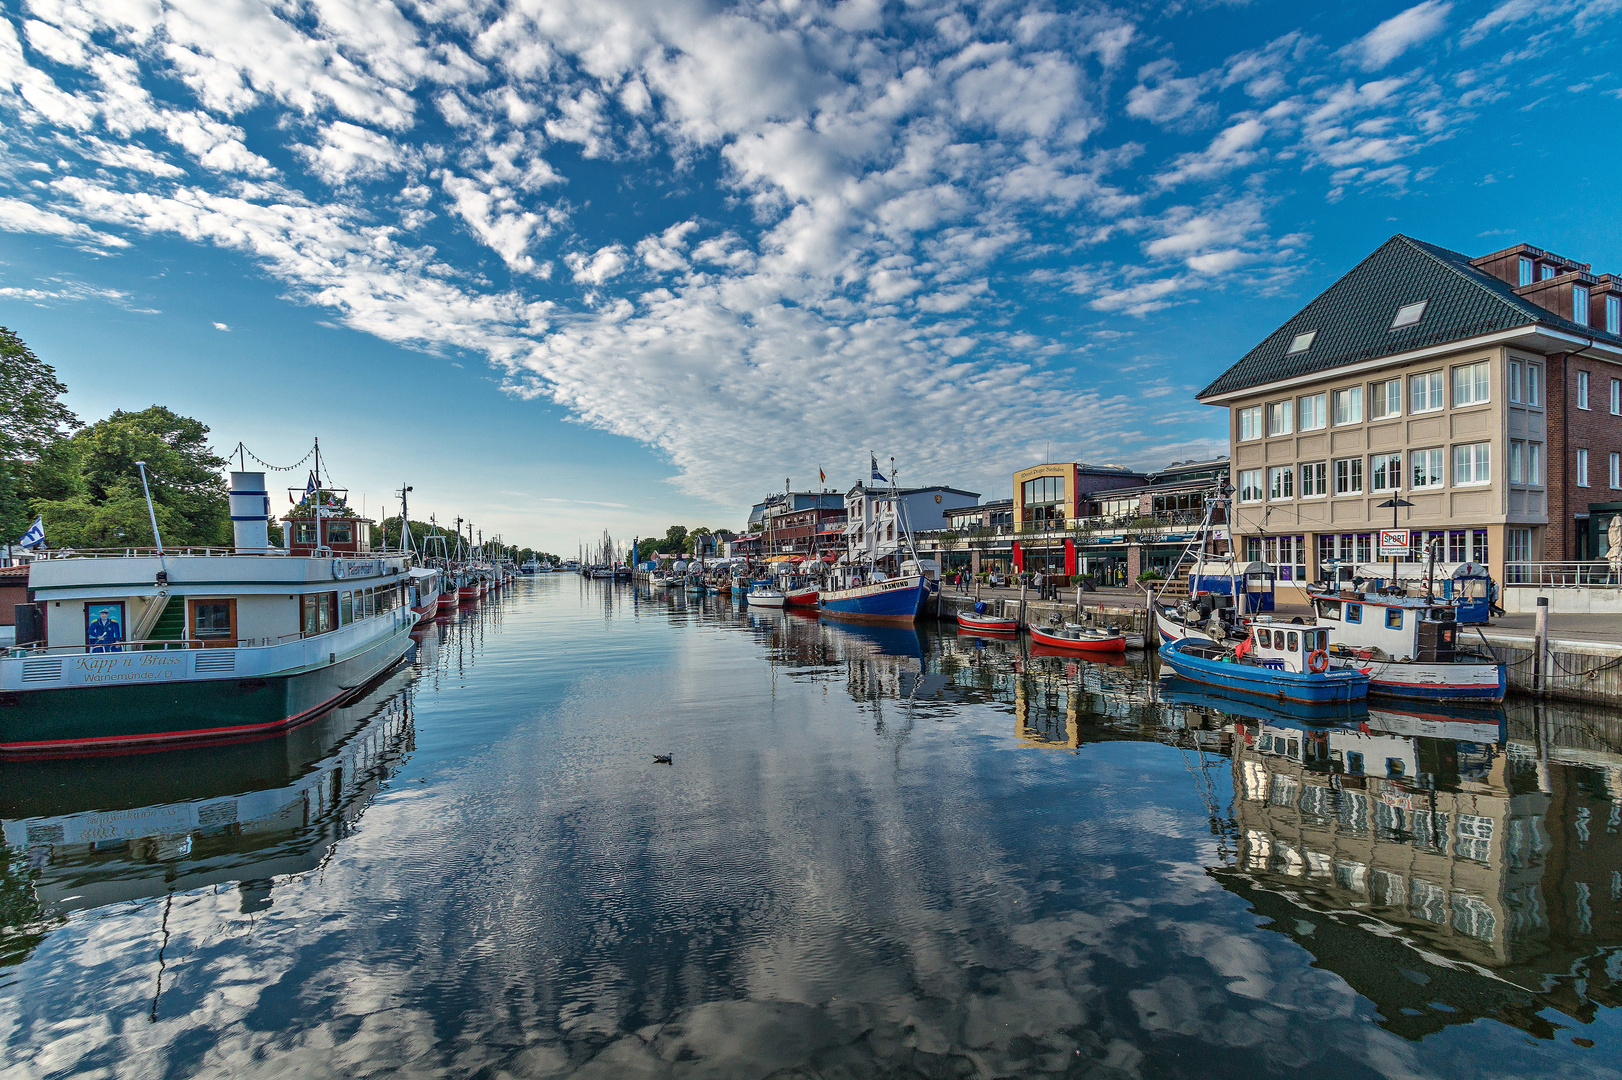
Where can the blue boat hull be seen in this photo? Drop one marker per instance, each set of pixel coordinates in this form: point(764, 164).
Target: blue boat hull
point(1266, 682)
point(886, 606)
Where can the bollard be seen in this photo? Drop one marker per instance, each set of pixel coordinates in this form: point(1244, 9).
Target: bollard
point(1540, 648)
point(1022, 599)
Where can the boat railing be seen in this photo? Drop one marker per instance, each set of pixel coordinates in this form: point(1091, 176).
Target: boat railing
point(147, 645)
point(147, 552)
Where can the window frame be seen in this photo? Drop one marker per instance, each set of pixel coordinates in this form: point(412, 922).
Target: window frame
point(1321, 410)
point(1287, 474)
point(1579, 299)
point(1288, 413)
point(1514, 391)
point(1616, 471)
point(1353, 484)
point(1517, 455)
point(1260, 489)
point(1479, 460)
point(1524, 271)
point(1616, 397)
point(1259, 428)
point(1436, 476)
point(1582, 467)
point(1434, 389)
point(1479, 366)
point(1534, 464)
point(1380, 391)
point(1354, 394)
point(1321, 476)
point(1389, 459)
point(1416, 312)
point(1534, 385)
point(1582, 391)
point(1613, 314)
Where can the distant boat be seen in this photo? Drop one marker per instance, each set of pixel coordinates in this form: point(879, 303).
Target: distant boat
point(425, 591)
point(766, 595)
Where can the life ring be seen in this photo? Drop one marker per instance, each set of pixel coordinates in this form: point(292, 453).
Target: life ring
point(1317, 661)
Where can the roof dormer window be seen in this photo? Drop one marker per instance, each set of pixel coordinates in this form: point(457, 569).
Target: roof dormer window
point(1408, 315)
point(1301, 342)
point(1548, 272)
point(1524, 271)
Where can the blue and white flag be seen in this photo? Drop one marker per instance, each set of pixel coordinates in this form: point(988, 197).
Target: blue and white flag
point(309, 489)
point(880, 477)
point(35, 536)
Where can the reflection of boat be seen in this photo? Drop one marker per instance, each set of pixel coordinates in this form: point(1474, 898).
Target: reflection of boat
point(1083, 639)
point(1114, 658)
point(1291, 665)
point(887, 640)
point(171, 821)
point(1177, 689)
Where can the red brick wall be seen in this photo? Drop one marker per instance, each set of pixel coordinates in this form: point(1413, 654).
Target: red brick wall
point(1572, 429)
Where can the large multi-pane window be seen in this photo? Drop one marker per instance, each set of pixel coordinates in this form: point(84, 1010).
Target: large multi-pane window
point(1427, 469)
point(1471, 463)
point(1250, 486)
point(1385, 472)
point(1470, 382)
point(1043, 499)
point(1425, 392)
point(1314, 479)
point(1349, 476)
point(1250, 423)
point(1385, 399)
point(1349, 406)
point(1312, 412)
point(1281, 483)
point(1280, 418)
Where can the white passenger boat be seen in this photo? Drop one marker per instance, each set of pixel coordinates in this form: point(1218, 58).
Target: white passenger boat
point(765, 594)
point(161, 646)
point(1408, 646)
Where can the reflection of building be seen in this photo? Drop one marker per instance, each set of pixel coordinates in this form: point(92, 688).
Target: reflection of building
point(1444, 845)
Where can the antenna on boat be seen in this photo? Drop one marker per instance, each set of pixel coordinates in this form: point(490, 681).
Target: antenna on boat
point(152, 514)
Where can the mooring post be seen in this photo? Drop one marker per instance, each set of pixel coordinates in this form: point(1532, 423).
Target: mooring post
point(1540, 648)
point(1022, 599)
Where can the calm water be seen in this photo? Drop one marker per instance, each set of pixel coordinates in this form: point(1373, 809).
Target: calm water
point(877, 853)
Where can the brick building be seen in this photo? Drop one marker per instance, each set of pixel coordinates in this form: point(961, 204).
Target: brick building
point(1486, 392)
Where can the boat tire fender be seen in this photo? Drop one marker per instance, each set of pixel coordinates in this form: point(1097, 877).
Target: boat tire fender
point(1317, 661)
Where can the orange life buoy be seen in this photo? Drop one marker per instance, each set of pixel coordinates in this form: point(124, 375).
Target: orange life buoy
point(1317, 661)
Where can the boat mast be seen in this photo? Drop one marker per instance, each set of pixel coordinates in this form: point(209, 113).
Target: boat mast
point(901, 516)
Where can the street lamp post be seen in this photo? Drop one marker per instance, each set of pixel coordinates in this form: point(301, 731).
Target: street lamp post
point(1395, 502)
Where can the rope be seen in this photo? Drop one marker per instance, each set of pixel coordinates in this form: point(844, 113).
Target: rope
point(276, 468)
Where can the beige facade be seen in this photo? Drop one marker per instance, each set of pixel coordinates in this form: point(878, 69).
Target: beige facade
point(1463, 435)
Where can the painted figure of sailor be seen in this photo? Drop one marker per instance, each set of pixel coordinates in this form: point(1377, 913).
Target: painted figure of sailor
point(104, 632)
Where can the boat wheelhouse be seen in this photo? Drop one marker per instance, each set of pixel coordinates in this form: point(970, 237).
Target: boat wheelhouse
point(1408, 646)
point(145, 646)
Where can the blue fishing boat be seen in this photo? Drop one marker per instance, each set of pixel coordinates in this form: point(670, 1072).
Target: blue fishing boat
point(1289, 662)
point(897, 600)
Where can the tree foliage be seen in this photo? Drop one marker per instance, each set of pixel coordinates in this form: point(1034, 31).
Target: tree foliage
point(31, 417)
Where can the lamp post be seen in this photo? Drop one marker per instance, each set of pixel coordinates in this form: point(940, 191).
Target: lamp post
point(1395, 502)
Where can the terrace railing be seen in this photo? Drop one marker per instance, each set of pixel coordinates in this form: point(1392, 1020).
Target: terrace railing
point(1591, 574)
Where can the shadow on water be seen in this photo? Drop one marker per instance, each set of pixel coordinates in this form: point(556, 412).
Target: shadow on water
point(879, 851)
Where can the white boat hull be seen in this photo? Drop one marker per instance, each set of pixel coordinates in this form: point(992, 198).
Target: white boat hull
point(1484, 682)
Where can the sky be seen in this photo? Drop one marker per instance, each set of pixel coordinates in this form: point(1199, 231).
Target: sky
point(565, 266)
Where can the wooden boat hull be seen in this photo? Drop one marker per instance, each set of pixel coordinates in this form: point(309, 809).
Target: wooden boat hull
point(898, 601)
point(467, 594)
point(986, 624)
point(800, 598)
point(1328, 686)
point(766, 600)
point(1115, 644)
point(447, 602)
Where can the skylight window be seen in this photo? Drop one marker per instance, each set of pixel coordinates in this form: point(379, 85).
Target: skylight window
point(1301, 342)
point(1408, 314)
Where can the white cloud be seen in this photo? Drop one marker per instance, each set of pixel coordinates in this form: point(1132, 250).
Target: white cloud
point(1235, 147)
point(1160, 98)
point(350, 152)
point(607, 262)
point(665, 251)
point(1380, 46)
point(227, 329)
point(23, 217)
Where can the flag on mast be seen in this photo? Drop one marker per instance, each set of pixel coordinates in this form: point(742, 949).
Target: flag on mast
point(822, 477)
point(35, 536)
point(880, 477)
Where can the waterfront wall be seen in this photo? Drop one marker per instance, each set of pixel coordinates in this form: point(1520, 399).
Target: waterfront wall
point(1578, 670)
point(1580, 600)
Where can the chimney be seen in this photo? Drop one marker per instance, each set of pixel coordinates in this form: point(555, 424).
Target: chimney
point(250, 510)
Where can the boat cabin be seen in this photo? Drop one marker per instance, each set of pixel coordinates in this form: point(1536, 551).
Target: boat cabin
point(1289, 646)
point(341, 533)
point(1402, 628)
point(1471, 589)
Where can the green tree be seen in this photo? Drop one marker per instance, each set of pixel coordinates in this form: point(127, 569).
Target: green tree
point(32, 420)
point(675, 541)
point(188, 490)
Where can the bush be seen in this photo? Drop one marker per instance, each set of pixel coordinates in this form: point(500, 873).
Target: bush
point(1151, 575)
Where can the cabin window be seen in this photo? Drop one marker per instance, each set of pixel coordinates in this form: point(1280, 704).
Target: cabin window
point(1323, 640)
point(1278, 639)
point(340, 532)
point(371, 603)
point(1262, 638)
point(1354, 613)
point(1266, 744)
point(346, 608)
point(1330, 610)
point(1393, 618)
point(318, 612)
point(1354, 763)
point(1295, 642)
point(304, 532)
point(213, 621)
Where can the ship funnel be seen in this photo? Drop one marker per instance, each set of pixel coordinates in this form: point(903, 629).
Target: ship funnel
point(250, 510)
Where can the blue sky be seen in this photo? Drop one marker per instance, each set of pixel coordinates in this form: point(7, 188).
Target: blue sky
point(572, 265)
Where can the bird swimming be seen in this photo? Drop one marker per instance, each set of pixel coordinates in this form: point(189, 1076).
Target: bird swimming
point(661, 759)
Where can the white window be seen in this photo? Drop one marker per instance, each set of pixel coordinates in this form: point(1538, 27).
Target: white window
point(1250, 423)
point(1579, 305)
point(1281, 483)
point(1385, 470)
point(1548, 272)
point(1582, 468)
point(1349, 476)
point(1534, 463)
point(1425, 392)
point(1616, 470)
point(1349, 406)
point(1427, 469)
point(1314, 479)
point(1515, 391)
point(1525, 270)
point(1301, 342)
point(1534, 384)
point(1280, 418)
point(1471, 464)
point(1616, 397)
point(1517, 455)
point(1250, 485)
point(1470, 384)
point(1613, 314)
point(1582, 389)
point(1408, 314)
point(1312, 412)
point(1385, 399)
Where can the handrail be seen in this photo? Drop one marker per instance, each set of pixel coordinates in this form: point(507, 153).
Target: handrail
point(145, 645)
point(1591, 574)
point(136, 552)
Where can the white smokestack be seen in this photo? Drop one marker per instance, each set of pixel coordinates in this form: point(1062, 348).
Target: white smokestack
point(250, 510)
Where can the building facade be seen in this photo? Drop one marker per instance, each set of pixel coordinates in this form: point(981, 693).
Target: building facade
point(876, 519)
point(806, 523)
point(1475, 402)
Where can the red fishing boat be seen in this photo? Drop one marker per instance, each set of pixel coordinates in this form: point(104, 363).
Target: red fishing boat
point(425, 592)
point(804, 597)
point(1080, 638)
point(970, 622)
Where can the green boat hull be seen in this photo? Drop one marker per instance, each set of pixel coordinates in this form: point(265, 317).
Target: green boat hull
point(113, 718)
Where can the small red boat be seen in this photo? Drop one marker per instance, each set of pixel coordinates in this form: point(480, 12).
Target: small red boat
point(1080, 639)
point(799, 598)
point(447, 601)
point(969, 622)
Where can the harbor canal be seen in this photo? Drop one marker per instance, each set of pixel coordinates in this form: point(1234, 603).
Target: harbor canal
point(874, 852)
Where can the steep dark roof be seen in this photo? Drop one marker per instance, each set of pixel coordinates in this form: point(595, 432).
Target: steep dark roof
point(1353, 316)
